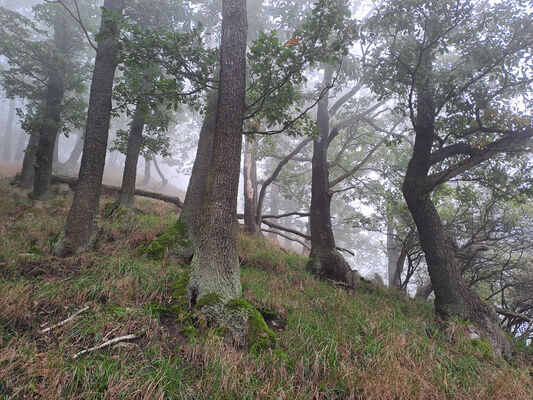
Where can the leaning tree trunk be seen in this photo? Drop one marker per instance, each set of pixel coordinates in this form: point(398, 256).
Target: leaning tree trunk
point(191, 212)
point(215, 265)
point(72, 160)
point(164, 180)
point(8, 133)
point(135, 141)
point(51, 118)
point(325, 261)
point(393, 256)
point(250, 189)
point(80, 229)
point(452, 296)
point(28, 163)
point(147, 173)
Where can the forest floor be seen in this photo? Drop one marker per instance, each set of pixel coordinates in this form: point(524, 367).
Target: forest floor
point(370, 343)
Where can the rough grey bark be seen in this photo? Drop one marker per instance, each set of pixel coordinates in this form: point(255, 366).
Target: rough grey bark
point(28, 163)
point(8, 133)
point(80, 228)
point(325, 261)
point(452, 296)
point(215, 265)
point(190, 215)
point(250, 189)
point(49, 125)
point(393, 256)
point(135, 141)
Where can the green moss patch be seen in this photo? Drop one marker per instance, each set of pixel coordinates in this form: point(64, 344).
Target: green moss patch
point(173, 236)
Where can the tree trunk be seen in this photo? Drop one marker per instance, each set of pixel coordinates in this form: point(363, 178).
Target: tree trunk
point(21, 144)
point(49, 126)
point(135, 141)
point(274, 206)
point(305, 250)
point(147, 174)
point(55, 159)
point(72, 160)
point(452, 296)
point(190, 215)
point(250, 189)
point(80, 229)
point(393, 256)
point(28, 163)
point(325, 261)
point(8, 133)
point(164, 181)
point(215, 265)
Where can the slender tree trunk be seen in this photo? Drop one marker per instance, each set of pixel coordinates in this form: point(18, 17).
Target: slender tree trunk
point(393, 256)
point(8, 133)
point(28, 163)
point(274, 206)
point(190, 215)
point(56, 151)
point(164, 181)
point(80, 229)
point(452, 296)
point(135, 141)
point(147, 174)
point(72, 160)
point(49, 128)
point(250, 189)
point(21, 144)
point(215, 265)
point(325, 261)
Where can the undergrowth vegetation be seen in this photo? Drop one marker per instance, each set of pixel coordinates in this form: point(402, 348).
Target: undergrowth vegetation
point(371, 343)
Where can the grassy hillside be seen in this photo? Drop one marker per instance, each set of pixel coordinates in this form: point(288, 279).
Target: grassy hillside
point(371, 343)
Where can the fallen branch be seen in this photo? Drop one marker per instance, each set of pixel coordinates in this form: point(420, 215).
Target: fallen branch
point(106, 344)
point(115, 190)
point(65, 320)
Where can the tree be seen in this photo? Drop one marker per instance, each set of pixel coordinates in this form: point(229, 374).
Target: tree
point(215, 265)
point(80, 228)
point(6, 154)
point(456, 65)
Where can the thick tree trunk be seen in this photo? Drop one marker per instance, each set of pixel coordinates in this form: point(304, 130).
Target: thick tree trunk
point(49, 126)
point(28, 163)
point(325, 261)
point(452, 296)
point(8, 133)
point(147, 174)
point(393, 256)
point(135, 141)
point(80, 229)
point(192, 209)
point(250, 189)
point(215, 265)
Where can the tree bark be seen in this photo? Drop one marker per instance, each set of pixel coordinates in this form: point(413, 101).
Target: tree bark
point(325, 261)
point(8, 133)
point(72, 160)
point(28, 163)
point(190, 215)
point(147, 174)
point(215, 265)
point(250, 189)
point(393, 256)
point(452, 296)
point(135, 141)
point(49, 126)
point(80, 229)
